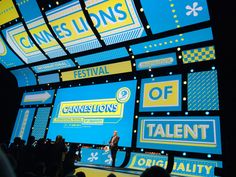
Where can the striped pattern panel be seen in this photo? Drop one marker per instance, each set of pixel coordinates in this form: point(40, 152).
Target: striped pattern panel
point(203, 91)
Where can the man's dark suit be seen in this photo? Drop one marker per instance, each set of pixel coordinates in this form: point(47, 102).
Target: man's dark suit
point(114, 147)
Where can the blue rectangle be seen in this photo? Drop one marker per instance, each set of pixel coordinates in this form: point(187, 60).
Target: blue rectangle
point(191, 134)
point(168, 15)
point(74, 130)
point(156, 61)
point(102, 56)
point(41, 122)
point(50, 78)
point(173, 41)
point(26, 8)
point(101, 157)
point(23, 124)
point(40, 97)
point(25, 77)
point(53, 66)
point(7, 58)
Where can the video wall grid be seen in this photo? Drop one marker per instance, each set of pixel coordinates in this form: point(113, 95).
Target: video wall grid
point(107, 65)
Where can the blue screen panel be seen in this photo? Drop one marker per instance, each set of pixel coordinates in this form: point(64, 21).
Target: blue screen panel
point(102, 56)
point(182, 166)
point(53, 66)
point(100, 157)
point(7, 58)
point(40, 122)
point(173, 41)
point(22, 44)
point(167, 15)
point(39, 97)
point(23, 123)
point(39, 29)
point(90, 115)
point(116, 21)
point(203, 91)
point(161, 94)
point(156, 61)
point(49, 78)
point(25, 77)
point(69, 24)
point(192, 134)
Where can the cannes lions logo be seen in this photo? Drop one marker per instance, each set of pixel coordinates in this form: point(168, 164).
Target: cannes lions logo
point(123, 95)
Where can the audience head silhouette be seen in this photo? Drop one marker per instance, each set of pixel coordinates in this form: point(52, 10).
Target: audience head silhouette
point(80, 174)
point(155, 171)
point(111, 175)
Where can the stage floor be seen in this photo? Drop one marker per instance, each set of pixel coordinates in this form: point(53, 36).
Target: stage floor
point(104, 171)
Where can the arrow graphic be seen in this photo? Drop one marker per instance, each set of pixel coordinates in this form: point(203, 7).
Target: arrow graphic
point(41, 97)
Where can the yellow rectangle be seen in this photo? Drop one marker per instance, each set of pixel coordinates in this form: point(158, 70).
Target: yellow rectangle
point(7, 11)
point(102, 70)
point(153, 97)
point(102, 108)
point(119, 14)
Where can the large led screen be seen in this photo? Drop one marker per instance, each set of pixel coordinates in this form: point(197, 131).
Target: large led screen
point(90, 114)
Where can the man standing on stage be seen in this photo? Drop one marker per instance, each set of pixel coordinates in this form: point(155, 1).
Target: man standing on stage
point(114, 147)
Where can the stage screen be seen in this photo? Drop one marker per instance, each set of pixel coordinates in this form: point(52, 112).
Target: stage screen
point(90, 114)
point(199, 134)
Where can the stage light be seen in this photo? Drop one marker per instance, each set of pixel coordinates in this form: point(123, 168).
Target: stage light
point(207, 113)
point(152, 113)
point(170, 73)
point(192, 70)
point(141, 150)
point(209, 155)
point(184, 98)
point(186, 113)
point(168, 113)
point(178, 49)
point(150, 69)
point(213, 67)
point(151, 75)
point(185, 82)
point(184, 154)
point(141, 9)
point(162, 152)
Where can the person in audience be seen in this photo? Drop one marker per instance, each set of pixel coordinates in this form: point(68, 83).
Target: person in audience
point(155, 171)
point(57, 154)
point(71, 156)
point(111, 175)
point(113, 143)
point(80, 174)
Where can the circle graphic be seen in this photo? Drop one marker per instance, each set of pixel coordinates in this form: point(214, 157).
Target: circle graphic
point(123, 94)
point(3, 49)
